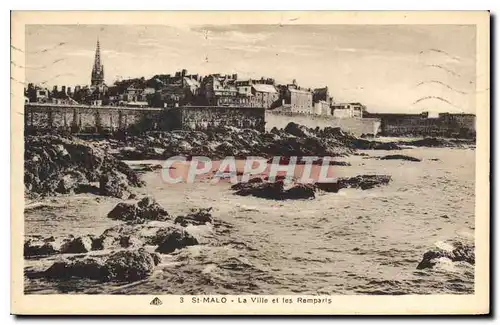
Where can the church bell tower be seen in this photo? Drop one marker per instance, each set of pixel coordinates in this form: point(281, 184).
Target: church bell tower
point(98, 69)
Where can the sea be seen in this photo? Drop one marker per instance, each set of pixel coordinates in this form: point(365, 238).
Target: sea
point(353, 242)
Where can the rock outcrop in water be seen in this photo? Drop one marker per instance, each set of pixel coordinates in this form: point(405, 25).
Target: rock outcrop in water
point(138, 212)
point(126, 250)
point(399, 157)
point(439, 142)
point(78, 245)
point(179, 238)
point(56, 165)
point(39, 248)
point(459, 252)
point(293, 140)
point(196, 217)
point(129, 266)
point(276, 190)
point(364, 182)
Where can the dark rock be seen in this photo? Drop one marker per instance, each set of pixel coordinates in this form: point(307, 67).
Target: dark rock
point(130, 241)
point(300, 191)
point(130, 265)
point(399, 157)
point(114, 184)
point(384, 146)
point(138, 212)
point(153, 233)
point(363, 182)
point(54, 165)
point(272, 191)
point(88, 268)
point(339, 163)
point(103, 242)
point(68, 183)
point(460, 253)
point(373, 145)
point(275, 190)
point(333, 187)
point(33, 248)
point(77, 245)
point(124, 211)
point(175, 240)
point(297, 130)
point(126, 266)
point(428, 142)
point(151, 210)
point(196, 217)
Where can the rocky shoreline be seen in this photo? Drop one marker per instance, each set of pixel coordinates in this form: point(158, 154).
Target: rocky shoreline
point(131, 251)
point(126, 252)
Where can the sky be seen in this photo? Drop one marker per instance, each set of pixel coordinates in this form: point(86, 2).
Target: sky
point(388, 68)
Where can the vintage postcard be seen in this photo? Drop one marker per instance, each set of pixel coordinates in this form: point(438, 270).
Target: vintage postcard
point(250, 162)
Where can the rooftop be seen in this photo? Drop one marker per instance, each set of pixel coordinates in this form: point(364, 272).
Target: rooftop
point(265, 88)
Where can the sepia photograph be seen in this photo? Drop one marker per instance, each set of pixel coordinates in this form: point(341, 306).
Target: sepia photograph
point(285, 159)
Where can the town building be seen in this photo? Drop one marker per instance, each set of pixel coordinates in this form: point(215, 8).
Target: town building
point(257, 93)
point(36, 94)
point(296, 99)
point(322, 101)
point(264, 95)
point(220, 90)
point(348, 110)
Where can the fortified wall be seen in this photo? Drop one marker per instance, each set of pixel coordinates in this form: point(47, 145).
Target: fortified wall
point(445, 125)
point(109, 119)
point(356, 126)
point(204, 117)
point(91, 119)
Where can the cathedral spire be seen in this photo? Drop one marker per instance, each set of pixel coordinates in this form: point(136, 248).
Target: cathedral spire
point(98, 68)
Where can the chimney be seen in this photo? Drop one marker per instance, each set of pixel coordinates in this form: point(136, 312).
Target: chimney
point(63, 90)
point(235, 76)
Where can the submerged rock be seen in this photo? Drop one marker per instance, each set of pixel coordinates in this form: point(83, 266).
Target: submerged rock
point(399, 157)
point(458, 253)
point(135, 235)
